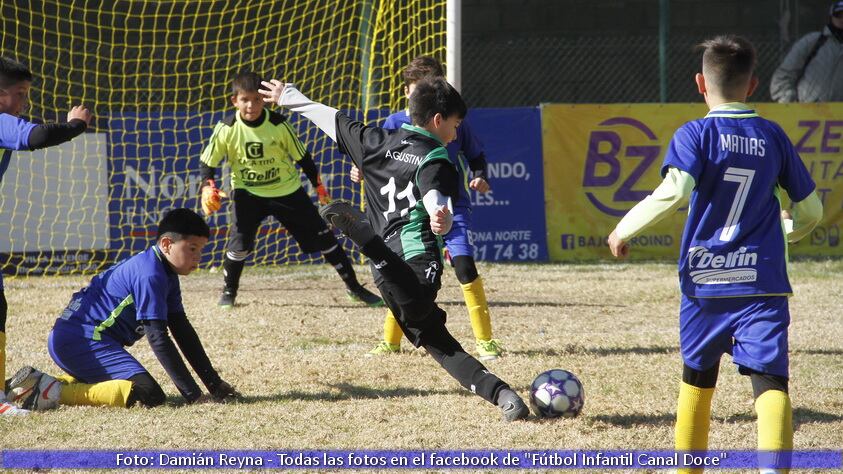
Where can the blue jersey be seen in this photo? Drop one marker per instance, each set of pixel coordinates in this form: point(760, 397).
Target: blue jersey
point(734, 242)
point(14, 135)
point(466, 147)
point(116, 301)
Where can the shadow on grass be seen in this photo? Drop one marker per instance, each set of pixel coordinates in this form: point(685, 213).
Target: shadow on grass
point(636, 419)
point(800, 416)
point(573, 349)
point(818, 351)
point(531, 304)
point(345, 391)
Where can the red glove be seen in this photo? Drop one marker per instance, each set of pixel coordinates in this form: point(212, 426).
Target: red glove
point(322, 193)
point(211, 198)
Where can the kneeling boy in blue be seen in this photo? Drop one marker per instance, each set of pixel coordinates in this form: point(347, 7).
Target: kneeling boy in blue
point(733, 256)
point(136, 297)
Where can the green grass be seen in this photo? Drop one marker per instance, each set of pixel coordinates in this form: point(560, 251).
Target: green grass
point(294, 347)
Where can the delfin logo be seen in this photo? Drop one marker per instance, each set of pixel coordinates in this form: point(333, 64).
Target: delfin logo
point(603, 166)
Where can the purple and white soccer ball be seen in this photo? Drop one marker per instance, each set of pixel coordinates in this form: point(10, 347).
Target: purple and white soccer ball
point(557, 393)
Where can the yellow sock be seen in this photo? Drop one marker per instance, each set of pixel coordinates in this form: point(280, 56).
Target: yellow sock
point(775, 422)
point(693, 417)
point(392, 332)
point(2, 358)
point(113, 393)
point(478, 309)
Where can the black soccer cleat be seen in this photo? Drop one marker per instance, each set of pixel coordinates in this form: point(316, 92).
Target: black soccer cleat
point(511, 405)
point(349, 220)
point(362, 295)
point(227, 298)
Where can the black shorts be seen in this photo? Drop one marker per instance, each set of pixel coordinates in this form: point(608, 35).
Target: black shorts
point(428, 270)
point(295, 212)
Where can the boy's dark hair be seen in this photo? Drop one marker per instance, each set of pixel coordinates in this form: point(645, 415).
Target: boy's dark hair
point(433, 95)
point(421, 67)
point(246, 82)
point(13, 72)
point(180, 223)
point(728, 61)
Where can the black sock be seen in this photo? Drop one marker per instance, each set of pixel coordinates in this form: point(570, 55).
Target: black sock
point(342, 264)
point(467, 370)
point(232, 269)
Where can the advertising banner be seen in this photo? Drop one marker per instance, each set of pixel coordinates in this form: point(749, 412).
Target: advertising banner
point(509, 220)
point(600, 160)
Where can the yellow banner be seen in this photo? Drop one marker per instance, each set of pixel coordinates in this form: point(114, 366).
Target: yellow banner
point(600, 160)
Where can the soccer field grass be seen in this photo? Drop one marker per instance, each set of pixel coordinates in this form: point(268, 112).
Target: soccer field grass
point(294, 347)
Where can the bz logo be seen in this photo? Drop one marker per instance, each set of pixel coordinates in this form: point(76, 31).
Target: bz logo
point(254, 150)
point(603, 166)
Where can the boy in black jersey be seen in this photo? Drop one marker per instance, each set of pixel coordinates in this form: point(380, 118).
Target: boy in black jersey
point(410, 185)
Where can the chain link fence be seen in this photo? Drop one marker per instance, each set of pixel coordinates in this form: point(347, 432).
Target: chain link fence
point(584, 61)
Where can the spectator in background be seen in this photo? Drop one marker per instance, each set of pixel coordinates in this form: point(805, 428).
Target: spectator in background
point(812, 71)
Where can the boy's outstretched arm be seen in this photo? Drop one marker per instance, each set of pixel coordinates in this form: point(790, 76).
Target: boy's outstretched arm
point(190, 345)
point(169, 357)
point(286, 95)
point(671, 194)
point(803, 217)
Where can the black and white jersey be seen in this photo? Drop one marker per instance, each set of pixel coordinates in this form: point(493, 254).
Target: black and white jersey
point(399, 167)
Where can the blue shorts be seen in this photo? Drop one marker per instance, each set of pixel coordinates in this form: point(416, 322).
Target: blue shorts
point(752, 329)
point(458, 240)
point(90, 361)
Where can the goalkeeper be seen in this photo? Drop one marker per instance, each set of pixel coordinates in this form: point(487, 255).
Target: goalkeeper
point(262, 148)
point(136, 297)
point(20, 134)
point(458, 241)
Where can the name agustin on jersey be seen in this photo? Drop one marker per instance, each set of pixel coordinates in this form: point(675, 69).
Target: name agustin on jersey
point(708, 268)
point(404, 157)
point(741, 144)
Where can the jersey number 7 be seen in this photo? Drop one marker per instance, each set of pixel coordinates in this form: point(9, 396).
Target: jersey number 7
point(743, 177)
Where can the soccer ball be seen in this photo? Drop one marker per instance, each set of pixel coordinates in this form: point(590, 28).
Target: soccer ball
point(557, 393)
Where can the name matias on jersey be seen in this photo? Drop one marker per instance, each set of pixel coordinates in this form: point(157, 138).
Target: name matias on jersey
point(742, 144)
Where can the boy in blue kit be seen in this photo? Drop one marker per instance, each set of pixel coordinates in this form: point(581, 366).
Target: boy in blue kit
point(20, 134)
point(466, 152)
point(137, 297)
point(733, 259)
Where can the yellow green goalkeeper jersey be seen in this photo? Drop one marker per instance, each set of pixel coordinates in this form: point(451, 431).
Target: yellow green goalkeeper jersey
point(262, 155)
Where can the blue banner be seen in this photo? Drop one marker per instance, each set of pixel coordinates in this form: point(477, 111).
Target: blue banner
point(418, 459)
point(509, 221)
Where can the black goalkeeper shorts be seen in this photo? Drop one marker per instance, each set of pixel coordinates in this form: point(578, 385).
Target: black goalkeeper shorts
point(296, 212)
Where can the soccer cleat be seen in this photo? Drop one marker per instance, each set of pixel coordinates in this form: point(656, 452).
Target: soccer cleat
point(349, 220)
point(32, 389)
point(362, 295)
point(384, 348)
point(227, 298)
point(489, 350)
point(511, 405)
point(7, 409)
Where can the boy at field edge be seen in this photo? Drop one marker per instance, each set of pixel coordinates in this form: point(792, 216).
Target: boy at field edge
point(466, 147)
point(400, 231)
point(733, 257)
point(20, 134)
point(136, 297)
point(262, 149)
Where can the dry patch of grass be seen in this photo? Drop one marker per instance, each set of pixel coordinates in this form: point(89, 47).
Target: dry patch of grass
point(294, 347)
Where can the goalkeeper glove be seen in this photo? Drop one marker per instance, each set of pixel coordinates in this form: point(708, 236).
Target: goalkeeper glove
point(322, 193)
point(211, 198)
